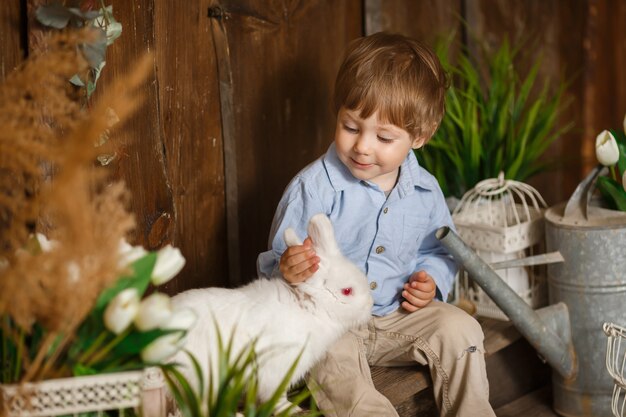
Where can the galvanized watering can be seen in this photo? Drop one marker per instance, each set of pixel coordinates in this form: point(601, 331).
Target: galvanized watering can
point(586, 290)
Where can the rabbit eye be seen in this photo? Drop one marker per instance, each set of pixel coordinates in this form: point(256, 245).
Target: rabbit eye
point(346, 291)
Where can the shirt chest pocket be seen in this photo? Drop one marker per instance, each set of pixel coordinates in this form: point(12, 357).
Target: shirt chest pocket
point(412, 233)
point(354, 246)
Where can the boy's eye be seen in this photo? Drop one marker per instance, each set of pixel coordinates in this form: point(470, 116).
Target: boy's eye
point(385, 140)
point(350, 129)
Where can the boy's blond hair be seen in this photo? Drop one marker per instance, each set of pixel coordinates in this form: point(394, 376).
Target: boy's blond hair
point(397, 76)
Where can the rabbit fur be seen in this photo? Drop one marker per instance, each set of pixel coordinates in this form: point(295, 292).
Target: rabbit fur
point(283, 319)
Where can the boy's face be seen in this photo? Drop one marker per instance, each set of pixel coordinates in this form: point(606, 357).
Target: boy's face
point(372, 149)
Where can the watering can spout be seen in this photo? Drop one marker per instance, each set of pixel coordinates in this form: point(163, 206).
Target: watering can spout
point(547, 329)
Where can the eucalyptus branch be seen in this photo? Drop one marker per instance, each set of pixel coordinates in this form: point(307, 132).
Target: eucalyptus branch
point(105, 14)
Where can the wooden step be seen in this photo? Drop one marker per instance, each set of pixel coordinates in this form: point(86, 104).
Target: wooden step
point(536, 404)
point(512, 366)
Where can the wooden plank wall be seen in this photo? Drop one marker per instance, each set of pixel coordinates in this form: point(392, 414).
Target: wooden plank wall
point(284, 55)
point(12, 47)
point(172, 157)
point(239, 101)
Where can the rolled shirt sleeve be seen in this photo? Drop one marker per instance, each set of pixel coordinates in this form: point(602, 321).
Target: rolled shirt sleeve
point(294, 210)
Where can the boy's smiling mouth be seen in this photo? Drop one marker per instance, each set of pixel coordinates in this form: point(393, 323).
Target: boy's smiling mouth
point(360, 165)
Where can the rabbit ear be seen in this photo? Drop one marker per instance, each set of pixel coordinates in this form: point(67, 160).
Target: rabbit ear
point(322, 234)
point(291, 238)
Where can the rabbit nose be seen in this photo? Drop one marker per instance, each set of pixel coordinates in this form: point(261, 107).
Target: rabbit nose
point(346, 291)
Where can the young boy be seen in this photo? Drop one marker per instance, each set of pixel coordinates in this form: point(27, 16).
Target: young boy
point(385, 208)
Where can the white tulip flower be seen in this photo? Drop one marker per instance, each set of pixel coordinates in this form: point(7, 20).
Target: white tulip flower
point(607, 151)
point(129, 254)
point(182, 319)
point(154, 311)
point(121, 310)
point(169, 263)
point(162, 348)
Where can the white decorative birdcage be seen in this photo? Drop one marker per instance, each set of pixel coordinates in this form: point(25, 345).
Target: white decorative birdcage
point(616, 365)
point(78, 395)
point(502, 220)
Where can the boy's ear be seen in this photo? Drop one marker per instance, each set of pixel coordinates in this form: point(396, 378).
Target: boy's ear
point(418, 142)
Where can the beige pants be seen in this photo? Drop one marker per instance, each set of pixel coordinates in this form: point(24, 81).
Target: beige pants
point(440, 335)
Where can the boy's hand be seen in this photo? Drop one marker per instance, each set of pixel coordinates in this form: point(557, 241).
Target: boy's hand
point(419, 291)
point(299, 262)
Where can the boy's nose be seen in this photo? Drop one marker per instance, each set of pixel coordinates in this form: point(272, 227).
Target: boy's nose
point(361, 145)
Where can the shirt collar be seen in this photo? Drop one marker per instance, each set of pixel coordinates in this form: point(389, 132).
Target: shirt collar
point(340, 177)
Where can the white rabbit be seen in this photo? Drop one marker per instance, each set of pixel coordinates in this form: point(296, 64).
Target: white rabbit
point(284, 319)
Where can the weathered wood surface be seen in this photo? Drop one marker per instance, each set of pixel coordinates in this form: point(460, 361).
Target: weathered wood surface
point(604, 79)
point(514, 372)
point(284, 56)
point(191, 129)
point(427, 21)
point(12, 48)
point(536, 404)
point(142, 159)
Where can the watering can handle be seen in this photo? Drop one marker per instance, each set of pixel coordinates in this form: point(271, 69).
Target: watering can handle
point(578, 203)
point(546, 258)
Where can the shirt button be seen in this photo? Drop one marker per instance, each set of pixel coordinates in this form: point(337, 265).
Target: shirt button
point(380, 249)
point(385, 210)
point(373, 285)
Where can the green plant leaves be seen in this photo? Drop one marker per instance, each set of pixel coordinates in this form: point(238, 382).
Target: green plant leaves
point(95, 51)
point(135, 341)
point(57, 16)
point(234, 387)
point(138, 279)
point(495, 121)
point(53, 15)
point(92, 334)
point(613, 191)
point(620, 138)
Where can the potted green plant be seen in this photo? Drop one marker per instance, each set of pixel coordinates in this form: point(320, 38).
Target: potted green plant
point(493, 123)
point(498, 124)
point(232, 388)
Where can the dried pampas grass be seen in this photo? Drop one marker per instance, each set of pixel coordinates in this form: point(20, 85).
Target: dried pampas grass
point(45, 127)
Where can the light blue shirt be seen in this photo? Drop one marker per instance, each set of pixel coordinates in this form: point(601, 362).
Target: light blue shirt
point(388, 238)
